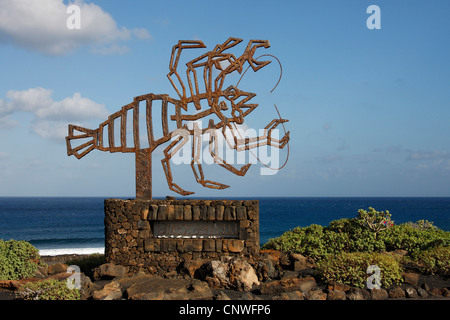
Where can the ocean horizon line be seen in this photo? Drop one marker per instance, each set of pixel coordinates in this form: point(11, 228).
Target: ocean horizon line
point(239, 197)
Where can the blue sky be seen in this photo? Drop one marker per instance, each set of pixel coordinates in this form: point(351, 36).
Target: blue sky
point(368, 109)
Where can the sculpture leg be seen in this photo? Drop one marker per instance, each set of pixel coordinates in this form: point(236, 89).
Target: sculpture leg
point(199, 177)
point(144, 174)
point(174, 147)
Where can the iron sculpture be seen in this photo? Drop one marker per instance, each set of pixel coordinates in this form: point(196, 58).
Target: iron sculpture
point(218, 100)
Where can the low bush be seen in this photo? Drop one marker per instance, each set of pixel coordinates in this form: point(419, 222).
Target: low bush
point(422, 224)
point(344, 235)
point(374, 220)
point(18, 260)
point(413, 239)
point(309, 241)
point(351, 268)
point(370, 231)
point(433, 261)
point(354, 237)
point(48, 290)
point(347, 247)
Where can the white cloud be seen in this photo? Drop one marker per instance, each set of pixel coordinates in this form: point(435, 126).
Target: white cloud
point(437, 155)
point(41, 26)
point(50, 117)
point(141, 33)
point(28, 100)
point(54, 130)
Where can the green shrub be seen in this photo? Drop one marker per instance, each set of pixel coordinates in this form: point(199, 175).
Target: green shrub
point(87, 264)
point(422, 225)
point(433, 261)
point(344, 235)
point(375, 221)
point(359, 238)
point(272, 243)
point(308, 241)
point(48, 290)
point(412, 239)
point(344, 225)
point(354, 235)
point(18, 260)
point(351, 268)
point(349, 235)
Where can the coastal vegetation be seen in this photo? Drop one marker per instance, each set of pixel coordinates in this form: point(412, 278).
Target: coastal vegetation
point(51, 289)
point(351, 268)
point(342, 252)
point(345, 248)
point(356, 235)
point(18, 260)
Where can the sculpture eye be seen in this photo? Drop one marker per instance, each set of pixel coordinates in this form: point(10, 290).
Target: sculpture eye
point(231, 94)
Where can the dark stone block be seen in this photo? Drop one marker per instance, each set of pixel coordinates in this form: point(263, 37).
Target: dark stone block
point(149, 245)
point(197, 245)
point(209, 245)
point(241, 213)
point(162, 213)
point(168, 245)
point(188, 245)
point(203, 212)
point(219, 212)
point(195, 213)
point(153, 212)
point(187, 212)
point(248, 203)
point(143, 225)
point(219, 245)
point(179, 212)
point(180, 245)
point(170, 212)
point(229, 213)
point(211, 213)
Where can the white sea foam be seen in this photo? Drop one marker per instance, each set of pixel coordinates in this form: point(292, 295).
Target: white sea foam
point(57, 252)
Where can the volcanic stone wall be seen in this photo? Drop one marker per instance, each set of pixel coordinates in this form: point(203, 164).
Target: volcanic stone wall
point(130, 227)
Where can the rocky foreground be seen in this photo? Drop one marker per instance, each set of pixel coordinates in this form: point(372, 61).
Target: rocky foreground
point(278, 277)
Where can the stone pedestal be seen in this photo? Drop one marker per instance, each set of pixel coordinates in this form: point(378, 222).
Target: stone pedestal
point(152, 234)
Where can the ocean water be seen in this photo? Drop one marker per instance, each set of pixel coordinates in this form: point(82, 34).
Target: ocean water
point(59, 225)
